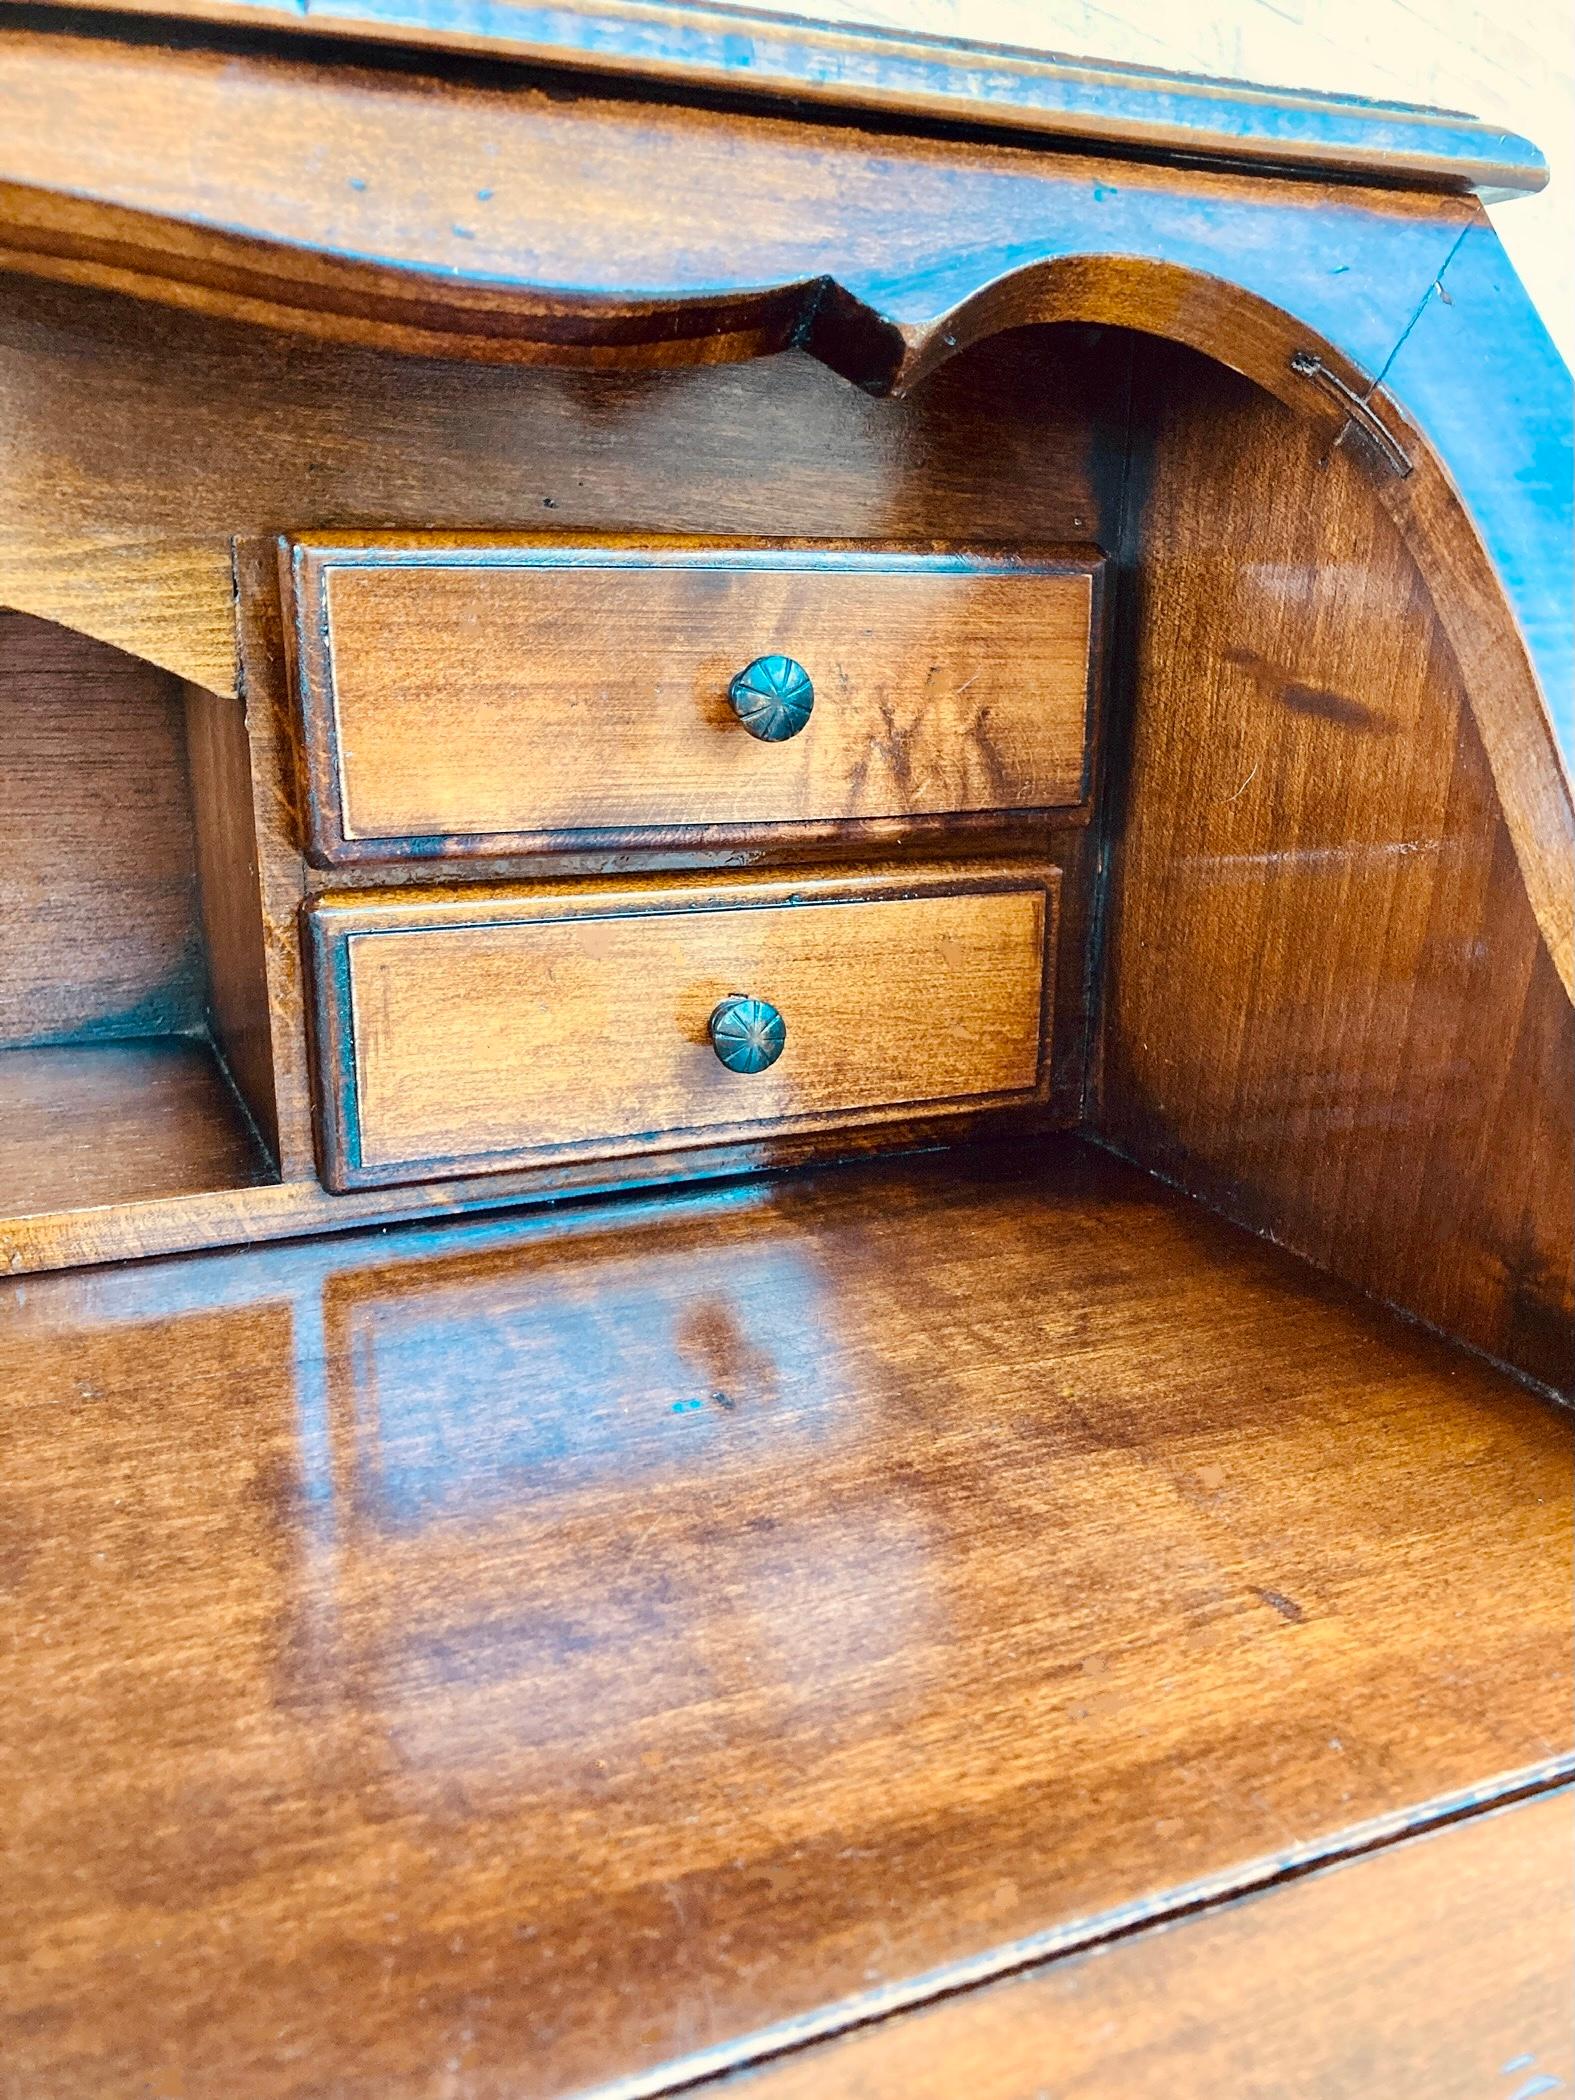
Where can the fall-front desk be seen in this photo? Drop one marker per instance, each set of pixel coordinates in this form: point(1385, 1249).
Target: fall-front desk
point(785, 1068)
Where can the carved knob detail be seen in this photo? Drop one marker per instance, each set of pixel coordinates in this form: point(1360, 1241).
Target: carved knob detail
point(773, 698)
point(747, 1034)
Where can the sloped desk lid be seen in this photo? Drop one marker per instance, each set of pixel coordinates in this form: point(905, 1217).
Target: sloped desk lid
point(1033, 96)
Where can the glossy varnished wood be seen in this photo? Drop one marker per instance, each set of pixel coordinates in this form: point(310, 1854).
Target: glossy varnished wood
point(604, 1650)
point(743, 51)
point(1443, 1966)
point(495, 698)
point(1331, 1010)
point(1487, 515)
point(138, 441)
point(881, 256)
point(520, 1659)
point(495, 219)
point(467, 1028)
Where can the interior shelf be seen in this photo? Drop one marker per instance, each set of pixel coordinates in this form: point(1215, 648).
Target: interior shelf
point(83, 1124)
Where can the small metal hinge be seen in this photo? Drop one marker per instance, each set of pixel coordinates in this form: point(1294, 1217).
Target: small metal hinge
point(1361, 412)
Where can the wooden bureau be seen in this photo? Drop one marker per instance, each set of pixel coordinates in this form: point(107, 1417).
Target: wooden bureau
point(787, 1069)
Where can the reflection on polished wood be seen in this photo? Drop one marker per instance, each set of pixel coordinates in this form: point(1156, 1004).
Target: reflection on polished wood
point(598, 1652)
point(511, 1658)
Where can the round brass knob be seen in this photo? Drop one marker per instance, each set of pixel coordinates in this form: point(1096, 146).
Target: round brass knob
point(773, 698)
point(747, 1034)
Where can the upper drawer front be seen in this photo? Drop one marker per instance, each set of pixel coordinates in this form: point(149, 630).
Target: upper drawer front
point(509, 699)
point(463, 1032)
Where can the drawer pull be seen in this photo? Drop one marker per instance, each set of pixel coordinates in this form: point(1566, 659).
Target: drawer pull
point(773, 697)
point(747, 1034)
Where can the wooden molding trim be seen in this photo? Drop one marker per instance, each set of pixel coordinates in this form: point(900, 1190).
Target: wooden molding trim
point(1044, 97)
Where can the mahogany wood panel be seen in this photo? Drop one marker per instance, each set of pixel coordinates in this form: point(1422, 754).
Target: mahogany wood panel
point(287, 884)
point(1330, 1010)
point(296, 1203)
point(461, 1029)
point(521, 1657)
point(1032, 94)
point(1440, 1966)
point(1487, 515)
point(99, 933)
point(90, 1125)
point(490, 699)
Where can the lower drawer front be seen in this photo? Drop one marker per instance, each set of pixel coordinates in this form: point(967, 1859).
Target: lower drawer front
point(464, 1031)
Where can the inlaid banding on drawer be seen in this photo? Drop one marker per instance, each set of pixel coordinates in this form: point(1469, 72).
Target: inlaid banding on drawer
point(463, 1031)
point(512, 699)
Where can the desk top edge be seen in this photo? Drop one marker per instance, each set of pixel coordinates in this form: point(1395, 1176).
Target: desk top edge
point(907, 79)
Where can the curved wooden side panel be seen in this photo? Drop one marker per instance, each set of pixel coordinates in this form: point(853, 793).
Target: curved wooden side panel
point(1348, 838)
point(1330, 1010)
point(1489, 516)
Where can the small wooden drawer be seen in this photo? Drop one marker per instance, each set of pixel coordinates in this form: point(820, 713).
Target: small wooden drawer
point(461, 1031)
point(510, 699)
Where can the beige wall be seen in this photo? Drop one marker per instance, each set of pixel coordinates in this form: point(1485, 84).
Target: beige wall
point(1513, 63)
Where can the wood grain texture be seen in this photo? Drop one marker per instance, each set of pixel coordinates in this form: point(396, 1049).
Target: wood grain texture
point(499, 698)
point(134, 442)
point(227, 857)
point(523, 1657)
point(755, 450)
point(296, 1203)
point(493, 218)
point(1029, 94)
point(1488, 516)
point(897, 253)
point(85, 1126)
point(529, 234)
point(468, 1028)
point(98, 903)
point(1330, 1009)
point(1440, 1966)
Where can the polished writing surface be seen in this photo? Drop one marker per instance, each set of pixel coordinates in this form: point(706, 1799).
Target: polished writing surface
point(524, 1657)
